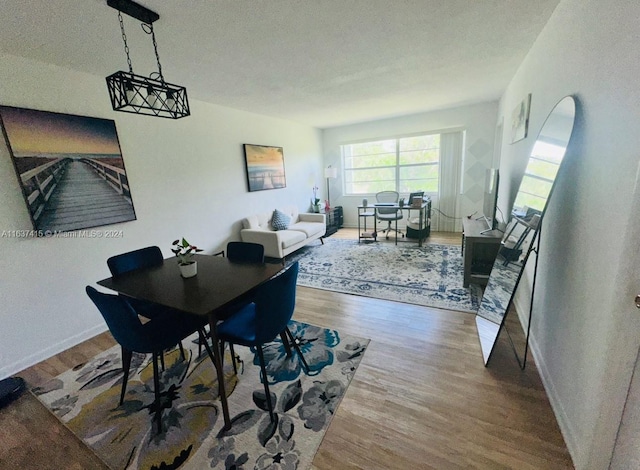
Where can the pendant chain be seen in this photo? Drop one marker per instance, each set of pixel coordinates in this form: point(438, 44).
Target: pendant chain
point(124, 38)
point(155, 48)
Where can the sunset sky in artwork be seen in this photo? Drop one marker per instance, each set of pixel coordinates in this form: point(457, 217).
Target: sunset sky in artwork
point(32, 133)
point(258, 155)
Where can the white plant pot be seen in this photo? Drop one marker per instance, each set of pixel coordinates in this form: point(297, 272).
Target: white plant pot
point(188, 270)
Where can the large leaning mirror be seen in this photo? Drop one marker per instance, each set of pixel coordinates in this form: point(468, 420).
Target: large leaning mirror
point(524, 223)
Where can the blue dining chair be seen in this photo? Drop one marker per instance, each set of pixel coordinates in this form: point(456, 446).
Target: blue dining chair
point(161, 332)
point(239, 252)
point(142, 258)
point(260, 321)
point(245, 252)
point(147, 257)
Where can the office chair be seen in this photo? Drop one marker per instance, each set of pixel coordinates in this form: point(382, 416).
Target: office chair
point(147, 257)
point(388, 215)
point(263, 319)
point(159, 333)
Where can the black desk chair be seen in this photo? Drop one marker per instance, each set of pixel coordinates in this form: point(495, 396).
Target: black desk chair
point(163, 331)
point(388, 214)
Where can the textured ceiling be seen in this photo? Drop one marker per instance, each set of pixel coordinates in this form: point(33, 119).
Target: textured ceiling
point(322, 62)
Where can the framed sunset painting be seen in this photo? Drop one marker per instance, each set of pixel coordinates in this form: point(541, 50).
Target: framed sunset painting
point(265, 167)
point(70, 169)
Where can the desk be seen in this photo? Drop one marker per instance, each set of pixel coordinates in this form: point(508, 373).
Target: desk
point(219, 283)
point(371, 211)
point(479, 250)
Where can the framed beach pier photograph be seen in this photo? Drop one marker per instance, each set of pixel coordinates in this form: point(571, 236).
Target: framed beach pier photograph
point(70, 169)
point(265, 167)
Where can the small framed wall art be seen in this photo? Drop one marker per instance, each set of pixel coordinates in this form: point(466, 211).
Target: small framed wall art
point(265, 167)
point(520, 120)
point(70, 169)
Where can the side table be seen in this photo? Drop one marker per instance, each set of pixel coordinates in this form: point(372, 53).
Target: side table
point(363, 214)
point(479, 250)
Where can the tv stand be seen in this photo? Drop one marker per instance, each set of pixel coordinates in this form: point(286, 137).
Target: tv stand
point(479, 250)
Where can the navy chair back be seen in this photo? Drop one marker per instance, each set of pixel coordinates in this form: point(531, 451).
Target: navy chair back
point(245, 252)
point(122, 320)
point(275, 302)
point(137, 259)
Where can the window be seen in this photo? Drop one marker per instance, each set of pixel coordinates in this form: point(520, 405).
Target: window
point(402, 164)
point(539, 175)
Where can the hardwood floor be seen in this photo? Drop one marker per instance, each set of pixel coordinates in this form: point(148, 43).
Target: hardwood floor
point(421, 398)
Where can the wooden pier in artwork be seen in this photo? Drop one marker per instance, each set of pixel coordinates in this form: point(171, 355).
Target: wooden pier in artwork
point(68, 194)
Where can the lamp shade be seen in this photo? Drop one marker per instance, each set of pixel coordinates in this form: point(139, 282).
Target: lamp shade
point(330, 172)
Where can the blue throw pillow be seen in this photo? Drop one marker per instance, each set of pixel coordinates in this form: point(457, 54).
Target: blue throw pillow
point(280, 220)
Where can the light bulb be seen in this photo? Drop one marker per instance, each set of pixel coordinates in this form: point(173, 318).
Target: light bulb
point(152, 98)
point(171, 103)
point(133, 98)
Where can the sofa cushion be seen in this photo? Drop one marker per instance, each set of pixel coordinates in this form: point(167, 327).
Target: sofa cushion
point(290, 237)
point(308, 228)
point(280, 220)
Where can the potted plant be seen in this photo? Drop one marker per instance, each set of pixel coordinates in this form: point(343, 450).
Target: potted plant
point(184, 251)
point(316, 200)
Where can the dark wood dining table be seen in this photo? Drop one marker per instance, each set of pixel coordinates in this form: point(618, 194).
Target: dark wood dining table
point(219, 283)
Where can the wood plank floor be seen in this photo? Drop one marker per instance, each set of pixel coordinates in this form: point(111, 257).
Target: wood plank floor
point(421, 398)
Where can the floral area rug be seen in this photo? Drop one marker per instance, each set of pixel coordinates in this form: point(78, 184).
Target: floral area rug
point(431, 275)
point(86, 399)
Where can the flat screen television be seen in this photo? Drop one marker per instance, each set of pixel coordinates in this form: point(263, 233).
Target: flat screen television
point(490, 204)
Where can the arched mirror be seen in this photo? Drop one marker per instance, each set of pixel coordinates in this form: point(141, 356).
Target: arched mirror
point(525, 221)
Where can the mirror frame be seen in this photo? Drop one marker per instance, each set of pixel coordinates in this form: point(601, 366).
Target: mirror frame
point(488, 330)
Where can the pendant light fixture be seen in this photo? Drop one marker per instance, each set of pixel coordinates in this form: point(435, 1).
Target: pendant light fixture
point(131, 93)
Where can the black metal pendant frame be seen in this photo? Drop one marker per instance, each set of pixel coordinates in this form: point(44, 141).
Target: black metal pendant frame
point(137, 94)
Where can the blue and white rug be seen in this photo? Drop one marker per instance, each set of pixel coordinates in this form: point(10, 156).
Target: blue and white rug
point(86, 398)
point(431, 275)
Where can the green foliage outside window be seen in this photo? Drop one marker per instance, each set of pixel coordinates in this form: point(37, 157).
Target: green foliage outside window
point(405, 164)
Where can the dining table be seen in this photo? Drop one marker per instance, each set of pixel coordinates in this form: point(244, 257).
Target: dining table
point(219, 283)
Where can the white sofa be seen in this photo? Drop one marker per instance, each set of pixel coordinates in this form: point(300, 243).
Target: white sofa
point(303, 229)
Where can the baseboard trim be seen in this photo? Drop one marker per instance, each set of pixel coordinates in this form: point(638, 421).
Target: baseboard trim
point(567, 431)
point(50, 351)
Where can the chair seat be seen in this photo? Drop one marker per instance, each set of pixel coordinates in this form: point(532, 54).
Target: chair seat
point(241, 327)
point(389, 216)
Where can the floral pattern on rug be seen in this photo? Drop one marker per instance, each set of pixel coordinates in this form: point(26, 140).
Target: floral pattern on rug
point(431, 275)
point(86, 399)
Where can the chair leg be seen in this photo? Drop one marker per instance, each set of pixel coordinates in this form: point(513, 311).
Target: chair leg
point(156, 391)
point(203, 339)
point(285, 343)
point(233, 358)
point(182, 355)
point(265, 382)
point(126, 366)
point(297, 348)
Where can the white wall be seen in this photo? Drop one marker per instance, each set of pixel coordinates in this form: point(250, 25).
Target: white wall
point(187, 178)
point(579, 339)
point(479, 121)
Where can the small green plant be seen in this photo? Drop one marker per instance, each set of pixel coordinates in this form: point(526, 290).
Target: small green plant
point(316, 200)
point(184, 251)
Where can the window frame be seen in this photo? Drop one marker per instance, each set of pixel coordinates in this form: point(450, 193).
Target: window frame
point(397, 167)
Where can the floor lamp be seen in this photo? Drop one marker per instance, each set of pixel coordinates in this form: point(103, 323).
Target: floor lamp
point(329, 173)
